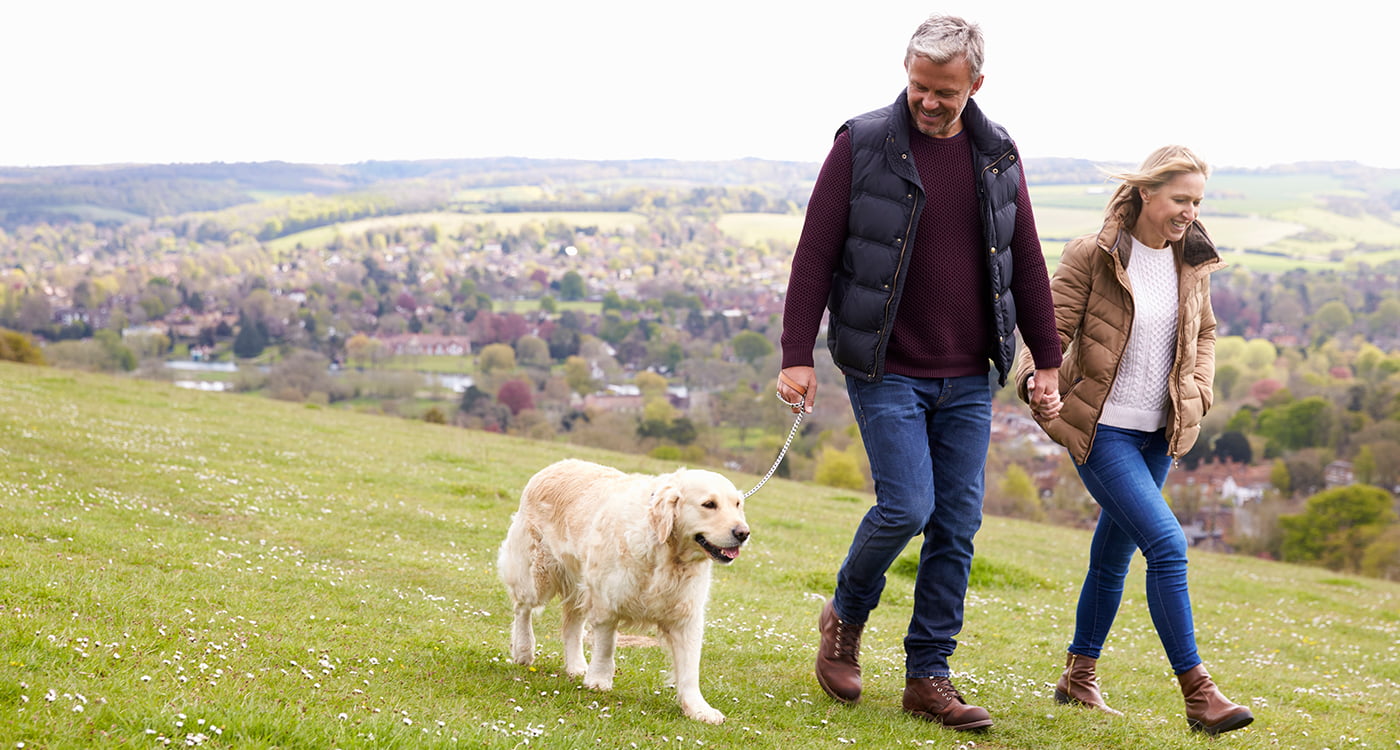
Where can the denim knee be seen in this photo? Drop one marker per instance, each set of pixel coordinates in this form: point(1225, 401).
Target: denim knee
point(902, 519)
point(1167, 549)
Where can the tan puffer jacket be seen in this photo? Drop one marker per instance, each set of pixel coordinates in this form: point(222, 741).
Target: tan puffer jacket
point(1094, 315)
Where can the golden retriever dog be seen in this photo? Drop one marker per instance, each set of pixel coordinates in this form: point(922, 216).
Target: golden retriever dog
point(621, 549)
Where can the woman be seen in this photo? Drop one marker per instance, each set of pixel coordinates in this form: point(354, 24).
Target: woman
point(1132, 305)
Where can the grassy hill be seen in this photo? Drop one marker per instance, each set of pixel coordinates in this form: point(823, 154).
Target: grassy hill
point(187, 568)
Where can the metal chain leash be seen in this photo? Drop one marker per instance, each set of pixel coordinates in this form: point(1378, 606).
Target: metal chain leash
point(801, 402)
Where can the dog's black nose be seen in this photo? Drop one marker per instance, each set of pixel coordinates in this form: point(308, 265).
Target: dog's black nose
point(741, 533)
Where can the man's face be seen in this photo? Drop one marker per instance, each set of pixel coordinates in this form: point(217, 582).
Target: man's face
point(938, 93)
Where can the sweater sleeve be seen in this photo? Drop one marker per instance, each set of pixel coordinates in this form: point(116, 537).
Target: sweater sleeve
point(814, 260)
point(1030, 283)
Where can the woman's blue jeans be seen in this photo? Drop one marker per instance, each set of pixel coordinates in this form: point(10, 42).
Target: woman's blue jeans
point(927, 442)
point(1124, 472)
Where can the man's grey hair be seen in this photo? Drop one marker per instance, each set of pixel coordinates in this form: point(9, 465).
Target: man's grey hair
point(943, 38)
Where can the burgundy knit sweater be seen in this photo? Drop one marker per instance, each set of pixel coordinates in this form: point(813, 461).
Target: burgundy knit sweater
point(943, 327)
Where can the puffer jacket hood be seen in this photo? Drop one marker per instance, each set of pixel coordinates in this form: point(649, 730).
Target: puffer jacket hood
point(1094, 316)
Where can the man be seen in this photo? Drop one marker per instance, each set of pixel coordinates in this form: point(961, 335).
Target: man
point(920, 240)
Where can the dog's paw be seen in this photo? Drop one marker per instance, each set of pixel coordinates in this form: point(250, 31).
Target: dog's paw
point(598, 683)
point(523, 657)
point(705, 713)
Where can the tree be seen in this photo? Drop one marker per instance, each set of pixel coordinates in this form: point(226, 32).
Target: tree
point(1382, 556)
point(1364, 465)
point(1386, 319)
point(1226, 377)
point(1306, 423)
point(1233, 446)
point(119, 353)
point(837, 468)
point(1330, 319)
point(650, 384)
point(579, 375)
point(1279, 477)
point(567, 336)
point(1019, 498)
point(361, 350)
point(739, 407)
point(302, 375)
point(1336, 527)
point(571, 287)
point(496, 358)
point(1378, 463)
point(16, 347)
point(532, 350)
point(751, 346)
point(34, 312)
point(516, 395)
point(251, 339)
point(1307, 470)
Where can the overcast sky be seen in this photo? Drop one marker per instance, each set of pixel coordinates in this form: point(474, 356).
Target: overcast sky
point(156, 81)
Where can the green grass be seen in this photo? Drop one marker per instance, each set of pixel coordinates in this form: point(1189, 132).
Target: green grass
point(236, 572)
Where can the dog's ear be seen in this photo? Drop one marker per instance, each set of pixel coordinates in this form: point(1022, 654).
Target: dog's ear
point(661, 512)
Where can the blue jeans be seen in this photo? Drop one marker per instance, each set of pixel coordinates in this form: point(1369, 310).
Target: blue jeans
point(1124, 472)
point(927, 442)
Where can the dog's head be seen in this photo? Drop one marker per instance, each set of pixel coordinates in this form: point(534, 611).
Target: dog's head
point(702, 511)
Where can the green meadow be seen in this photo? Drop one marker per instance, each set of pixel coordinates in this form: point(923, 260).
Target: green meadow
point(180, 568)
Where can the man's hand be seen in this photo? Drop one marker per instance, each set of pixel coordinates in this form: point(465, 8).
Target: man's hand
point(1044, 390)
point(798, 384)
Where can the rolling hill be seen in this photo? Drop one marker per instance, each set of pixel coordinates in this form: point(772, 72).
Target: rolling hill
point(180, 567)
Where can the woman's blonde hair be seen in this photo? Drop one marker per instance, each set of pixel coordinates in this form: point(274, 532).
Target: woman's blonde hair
point(1157, 170)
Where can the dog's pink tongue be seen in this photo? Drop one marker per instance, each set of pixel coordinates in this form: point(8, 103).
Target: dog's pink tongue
point(732, 553)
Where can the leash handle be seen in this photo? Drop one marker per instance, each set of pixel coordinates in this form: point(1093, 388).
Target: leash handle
point(801, 392)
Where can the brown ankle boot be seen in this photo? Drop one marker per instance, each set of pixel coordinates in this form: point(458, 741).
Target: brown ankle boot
point(1207, 710)
point(1080, 685)
point(838, 656)
point(935, 699)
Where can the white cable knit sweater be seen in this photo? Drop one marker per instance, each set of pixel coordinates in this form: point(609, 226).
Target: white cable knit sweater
point(1138, 400)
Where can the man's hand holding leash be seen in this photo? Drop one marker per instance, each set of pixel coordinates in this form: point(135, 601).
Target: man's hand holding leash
point(797, 387)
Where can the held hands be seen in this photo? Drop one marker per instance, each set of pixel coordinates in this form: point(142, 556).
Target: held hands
point(798, 385)
point(1043, 390)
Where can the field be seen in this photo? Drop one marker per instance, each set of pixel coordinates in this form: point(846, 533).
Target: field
point(452, 223)
point(195, 569)
point(1263, 224)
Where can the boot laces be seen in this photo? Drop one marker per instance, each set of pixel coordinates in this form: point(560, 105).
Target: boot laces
point(847, 638)
point(945, 689)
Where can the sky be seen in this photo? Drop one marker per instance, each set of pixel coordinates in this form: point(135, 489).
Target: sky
point(187, 81)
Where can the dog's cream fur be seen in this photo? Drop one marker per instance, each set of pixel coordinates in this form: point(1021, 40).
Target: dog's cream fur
point(621, 549)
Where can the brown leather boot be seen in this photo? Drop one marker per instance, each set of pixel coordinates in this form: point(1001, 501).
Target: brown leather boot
point(1207, 710)
point(935, 699)
point(1080, 685)
point(838, 656)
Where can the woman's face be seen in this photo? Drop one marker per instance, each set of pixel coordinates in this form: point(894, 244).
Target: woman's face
point(1168, 210)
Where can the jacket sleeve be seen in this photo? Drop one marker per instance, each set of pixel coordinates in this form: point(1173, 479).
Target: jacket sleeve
point(1069, 288)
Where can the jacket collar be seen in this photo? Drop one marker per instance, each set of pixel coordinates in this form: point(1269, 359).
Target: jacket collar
point(1195, 249)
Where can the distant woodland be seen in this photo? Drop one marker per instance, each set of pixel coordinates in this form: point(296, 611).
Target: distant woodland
point(637, 306)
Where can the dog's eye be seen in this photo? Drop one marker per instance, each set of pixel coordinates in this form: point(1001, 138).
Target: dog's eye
point(711, 504)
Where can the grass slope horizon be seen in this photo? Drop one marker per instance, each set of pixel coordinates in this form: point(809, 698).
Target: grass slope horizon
point(188, 568)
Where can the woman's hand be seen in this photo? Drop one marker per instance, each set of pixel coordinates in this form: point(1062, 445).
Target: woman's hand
point(1044, 390)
